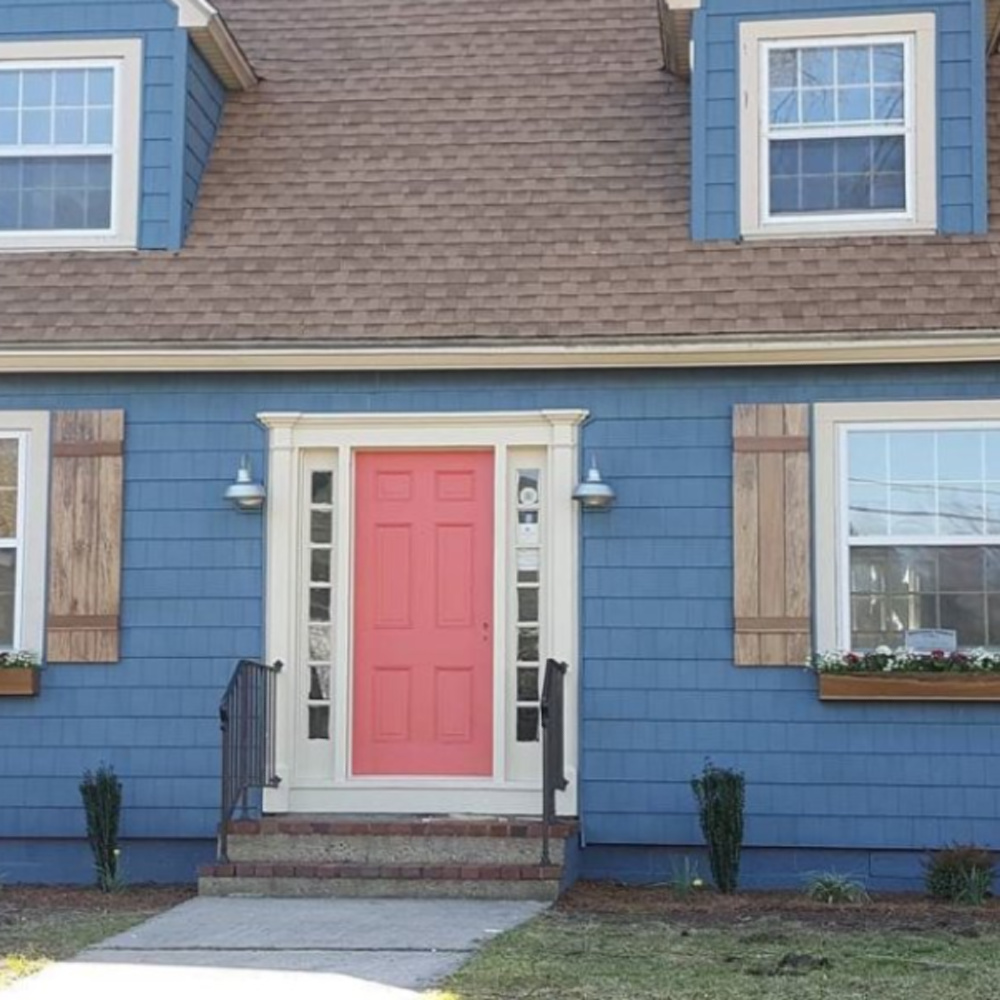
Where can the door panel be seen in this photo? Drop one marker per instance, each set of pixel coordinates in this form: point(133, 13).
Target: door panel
point(423, 630)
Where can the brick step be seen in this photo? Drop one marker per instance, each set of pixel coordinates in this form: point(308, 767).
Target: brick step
point(390, 881)
point(388, 841)
point(300, 824)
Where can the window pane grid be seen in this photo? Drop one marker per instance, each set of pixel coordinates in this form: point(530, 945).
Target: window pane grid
point(320, 639)
point(923, 533)
point(527, 597)
point(9, 570)
point(847, 84)
point(10, 530)
point(903, 588)
point(845, 175)
point(941, 485)
point(836, 129)
point(56, 148)
point(62, 107)
point(55, 193)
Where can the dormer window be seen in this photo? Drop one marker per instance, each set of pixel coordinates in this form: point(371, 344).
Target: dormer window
point(838, 126)
point(69, 144)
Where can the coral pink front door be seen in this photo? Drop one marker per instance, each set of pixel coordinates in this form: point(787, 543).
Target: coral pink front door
point(423, 610)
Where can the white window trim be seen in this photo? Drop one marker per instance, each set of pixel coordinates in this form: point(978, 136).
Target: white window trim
point(756, 38)
point(831, 421)
point(125, 56)
point(291, 437)
point(31, 429)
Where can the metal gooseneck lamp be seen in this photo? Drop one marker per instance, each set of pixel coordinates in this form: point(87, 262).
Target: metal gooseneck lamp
point(245, 494)
point(593, 493)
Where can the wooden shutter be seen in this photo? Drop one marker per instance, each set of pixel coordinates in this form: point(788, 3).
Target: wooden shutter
point(772, 537)
point(85, 536)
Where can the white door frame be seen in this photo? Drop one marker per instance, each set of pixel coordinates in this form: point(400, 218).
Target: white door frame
point(293, 436)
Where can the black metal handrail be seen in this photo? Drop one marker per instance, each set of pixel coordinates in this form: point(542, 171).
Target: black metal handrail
point(553, 746)
point(247, 720)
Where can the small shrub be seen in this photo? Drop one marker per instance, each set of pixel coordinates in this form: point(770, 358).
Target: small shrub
point(978, 887)
point(686, 879)
point(962, 873)
point(720, 793)
point(102, 801)
point(832, 887)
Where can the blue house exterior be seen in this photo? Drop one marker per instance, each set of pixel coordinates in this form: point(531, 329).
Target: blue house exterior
point(398, 267)
point(862, 787)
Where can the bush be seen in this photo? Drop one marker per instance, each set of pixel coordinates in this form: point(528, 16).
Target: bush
point(832, 887)
point(102, 801)
point(720, 793)
point(962, 873)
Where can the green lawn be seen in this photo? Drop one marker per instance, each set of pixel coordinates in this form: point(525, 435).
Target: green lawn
point(38, 926)
point(564, 956)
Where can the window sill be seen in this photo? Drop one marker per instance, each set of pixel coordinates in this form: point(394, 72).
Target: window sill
point(835, 231)
point(91, 244)
point(909, 687)
point(17, 682)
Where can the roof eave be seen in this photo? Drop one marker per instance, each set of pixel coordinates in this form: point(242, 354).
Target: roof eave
point(992, 25)
point(213, 39)
point(675, 34)
point(710, 350)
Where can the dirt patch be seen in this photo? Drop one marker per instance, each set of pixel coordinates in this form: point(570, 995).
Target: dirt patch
point(42, 924)
point(705, 908)
point(18, 901)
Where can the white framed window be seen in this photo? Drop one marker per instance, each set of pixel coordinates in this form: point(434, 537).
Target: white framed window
point(24, 449)
point(838, 126)
point(69, 144)
point(908, 523)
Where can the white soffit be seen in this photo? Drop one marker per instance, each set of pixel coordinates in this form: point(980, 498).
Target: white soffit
point(214, 40)
point(675, 34)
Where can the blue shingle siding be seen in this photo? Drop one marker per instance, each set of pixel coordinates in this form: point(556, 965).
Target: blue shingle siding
point(206, 98)
point(165, 116)
point(961, 85)
point(660, 692)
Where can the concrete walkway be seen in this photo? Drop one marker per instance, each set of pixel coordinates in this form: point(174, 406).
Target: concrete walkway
point(337, 949)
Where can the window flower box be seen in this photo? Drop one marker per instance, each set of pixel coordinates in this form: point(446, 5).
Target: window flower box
point(20, 675)
point(909, 687)
point(900, 675)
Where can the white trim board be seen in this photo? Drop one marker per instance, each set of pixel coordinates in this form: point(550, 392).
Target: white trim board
point(320, 780)
point(716, 351)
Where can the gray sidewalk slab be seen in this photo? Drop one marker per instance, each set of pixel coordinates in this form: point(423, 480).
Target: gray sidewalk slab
point(347, 949)
point(360, 924)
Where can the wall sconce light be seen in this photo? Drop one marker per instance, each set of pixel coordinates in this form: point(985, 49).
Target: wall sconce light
point(594, 493)
point(245, 494)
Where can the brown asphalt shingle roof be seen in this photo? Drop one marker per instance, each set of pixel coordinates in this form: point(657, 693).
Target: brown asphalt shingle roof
point(459, 172)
